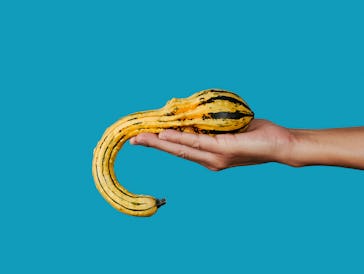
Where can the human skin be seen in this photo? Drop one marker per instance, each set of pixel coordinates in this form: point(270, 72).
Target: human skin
point(263, 142)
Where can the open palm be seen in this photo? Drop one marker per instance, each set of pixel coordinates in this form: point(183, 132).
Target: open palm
point(262, 142)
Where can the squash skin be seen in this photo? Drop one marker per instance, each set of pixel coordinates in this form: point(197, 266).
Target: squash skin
point(211, 111)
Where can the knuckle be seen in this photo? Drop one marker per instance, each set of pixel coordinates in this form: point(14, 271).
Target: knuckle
point(217, 165)
point(196, 144)
point(212, 168)
point(182, 154)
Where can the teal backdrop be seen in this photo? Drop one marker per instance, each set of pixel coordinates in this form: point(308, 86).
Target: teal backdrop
point(69, 69)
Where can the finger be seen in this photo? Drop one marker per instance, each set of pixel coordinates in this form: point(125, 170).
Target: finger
point(197, 141)
point(144, 139)
point(189, 153)
point(133, 141)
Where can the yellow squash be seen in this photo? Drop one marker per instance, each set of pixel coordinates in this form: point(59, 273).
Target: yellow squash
point(210, 111)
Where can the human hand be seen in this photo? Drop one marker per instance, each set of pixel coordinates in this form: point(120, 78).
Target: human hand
point(262, 142)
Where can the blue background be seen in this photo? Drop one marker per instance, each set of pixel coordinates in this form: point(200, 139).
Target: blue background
point(68, 69)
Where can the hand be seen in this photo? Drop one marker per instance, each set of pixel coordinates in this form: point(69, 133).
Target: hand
point(262, 142)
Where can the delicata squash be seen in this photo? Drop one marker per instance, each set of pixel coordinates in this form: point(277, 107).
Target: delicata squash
point(209, 111)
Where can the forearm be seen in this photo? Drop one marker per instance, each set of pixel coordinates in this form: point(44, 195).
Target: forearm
point(334, 147)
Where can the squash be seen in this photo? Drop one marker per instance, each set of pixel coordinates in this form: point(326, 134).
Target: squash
point(211, 111)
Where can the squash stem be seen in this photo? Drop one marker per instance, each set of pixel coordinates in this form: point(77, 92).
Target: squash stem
point(161, 202)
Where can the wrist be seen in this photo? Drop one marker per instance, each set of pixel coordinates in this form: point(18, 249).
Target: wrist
point(303, 149)
point(309, 147)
